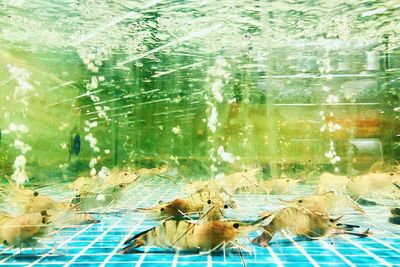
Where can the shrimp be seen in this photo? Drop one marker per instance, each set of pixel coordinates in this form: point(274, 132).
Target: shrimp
point(395, 218)
point(98, 197)
point(301, 224)
point(189, 236)
point(158, 170)
point(240, 180)
point(329, 182)
point(360, 186)
point(23, 230)
point(30, 202)
point(194, 203)
point(33, 202)
point(115, 178)
point(118, 177)
point(325, 204)
point(195, 186)
point(279, 186)
point(82, 183)
point(214, 210)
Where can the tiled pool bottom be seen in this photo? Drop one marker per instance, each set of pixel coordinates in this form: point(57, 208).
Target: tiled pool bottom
point(98, 244)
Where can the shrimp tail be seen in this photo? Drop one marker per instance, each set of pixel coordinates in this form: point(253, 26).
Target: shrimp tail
point(346, 226)
point(135, 241)
point(146, 209)
point(262, 240)
point(363, 201)
point(337, 219)
point(354, 205)
point(396, 185)
point(256, 222)
point(267, 235)
point(131, 247)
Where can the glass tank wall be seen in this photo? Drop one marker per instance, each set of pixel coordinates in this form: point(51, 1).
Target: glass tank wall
point(177, 92)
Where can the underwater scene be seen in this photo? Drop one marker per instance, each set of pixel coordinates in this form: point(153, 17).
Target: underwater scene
point(199, 133)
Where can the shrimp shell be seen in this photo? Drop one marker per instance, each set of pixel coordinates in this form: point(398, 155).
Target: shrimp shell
point(325, 204)
point(189, 236)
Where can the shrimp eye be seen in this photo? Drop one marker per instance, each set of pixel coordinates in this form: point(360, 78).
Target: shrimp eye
point(300, 201)
point(225, 206)
point(35, 193)
point(121, 186)
point(287, 180)
point(391, 174)
point(126, 174)
point(162, 209)
point(43, 213)
point(236, 225)
point(208, 201)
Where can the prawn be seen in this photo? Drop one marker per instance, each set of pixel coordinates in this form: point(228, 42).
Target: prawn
point(215, 210)
point(360, 186)
point(330, 182)
point(23, 230)
point(279, 186)
point(194, 203)
point(118, 177)
point(158, 170)
point(190, 236)
point(301, 224)
point(240, 180)
point(30, 202)
point(395, 218)
point(325, 204)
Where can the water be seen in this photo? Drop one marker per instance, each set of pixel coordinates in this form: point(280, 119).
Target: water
point(207, 88)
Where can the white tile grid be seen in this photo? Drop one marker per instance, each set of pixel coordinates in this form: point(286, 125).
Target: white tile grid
point(301, 249)
point(3, 251)
point(143, 200)
point(245, 200)
point(61, 244)
point(337, 253)
point(117, 248)
point(17, 252)
point(373, 255)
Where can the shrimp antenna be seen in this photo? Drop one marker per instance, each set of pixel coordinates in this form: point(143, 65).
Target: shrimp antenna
point(254, 184)
point(396, 185)
point(241, 257)
point(190, 228)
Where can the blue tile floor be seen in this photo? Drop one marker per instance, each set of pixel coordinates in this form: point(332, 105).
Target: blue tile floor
point(98, 244)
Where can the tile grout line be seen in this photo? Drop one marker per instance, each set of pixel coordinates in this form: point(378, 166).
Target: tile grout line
point(175, 259)
point(385, 244)
point(110, 227)
point(92, 243)
point(377, 258)
point(24, 249)
point(209, 260)
point(108, 258)
point(141, 259)
point(274, 256)
point(62, 243)
point(337, 253)
point(269, 248)
point(302, 250)
point(147, 249)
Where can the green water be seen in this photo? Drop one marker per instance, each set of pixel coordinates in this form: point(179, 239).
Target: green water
point(171, 82)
